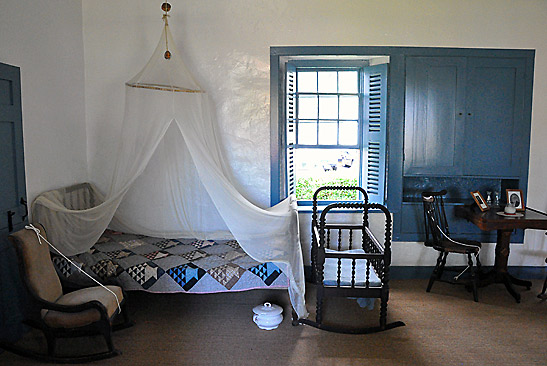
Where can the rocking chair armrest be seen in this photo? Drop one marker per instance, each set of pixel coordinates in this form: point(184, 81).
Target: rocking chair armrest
point(93, 304)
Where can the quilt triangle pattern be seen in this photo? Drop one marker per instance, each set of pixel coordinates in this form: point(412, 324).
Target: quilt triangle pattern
point(203, 243)
point(155, 255)
point(118, 254)
point(145, 274)
point(186, 275)
point(62, 266)
point(227, 275)
point(105, 269)
point(164, 244)
point(193, 255)
point(232, 243)
point(268, 272)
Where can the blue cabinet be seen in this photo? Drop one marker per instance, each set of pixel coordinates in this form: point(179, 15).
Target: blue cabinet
point(464, 116)
point(495, 126)
point(434, 115)
point(467, 128)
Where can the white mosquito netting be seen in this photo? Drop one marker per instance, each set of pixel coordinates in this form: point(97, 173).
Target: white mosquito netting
point(171, 180)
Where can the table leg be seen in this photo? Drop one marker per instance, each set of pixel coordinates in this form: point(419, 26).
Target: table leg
point(502, 251)
point(519, 282)
point(499, 274)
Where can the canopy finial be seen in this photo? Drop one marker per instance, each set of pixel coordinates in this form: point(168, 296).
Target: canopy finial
point(166, 7)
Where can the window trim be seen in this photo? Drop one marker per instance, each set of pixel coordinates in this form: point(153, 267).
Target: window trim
point(333, 65)
point(308, 56)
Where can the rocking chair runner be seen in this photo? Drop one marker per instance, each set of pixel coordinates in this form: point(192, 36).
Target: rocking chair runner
point(438, 237)
point(84, 312)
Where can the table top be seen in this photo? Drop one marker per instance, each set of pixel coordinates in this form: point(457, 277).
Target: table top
point(490, 220)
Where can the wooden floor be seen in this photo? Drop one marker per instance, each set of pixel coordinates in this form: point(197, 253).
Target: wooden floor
point(444, 327)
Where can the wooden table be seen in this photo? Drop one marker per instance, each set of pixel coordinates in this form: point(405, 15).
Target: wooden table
point(488, 221)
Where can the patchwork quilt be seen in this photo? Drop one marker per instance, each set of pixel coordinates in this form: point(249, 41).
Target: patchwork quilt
point(138, 262)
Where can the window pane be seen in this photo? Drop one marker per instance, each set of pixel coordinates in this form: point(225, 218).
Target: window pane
point(307, 106)
point(347, 82)
point(328, 107)
point(317, 167)
point(307, 82)
point(348, 133)
point(349, 107)
point(327, 81)
point(307, 132)
point(328, 132)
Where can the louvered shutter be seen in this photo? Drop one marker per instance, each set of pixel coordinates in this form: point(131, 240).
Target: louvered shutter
point(290, 128)
point(375, 80)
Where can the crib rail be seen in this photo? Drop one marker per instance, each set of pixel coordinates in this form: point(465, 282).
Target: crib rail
point(373, 252)
point(348, 260)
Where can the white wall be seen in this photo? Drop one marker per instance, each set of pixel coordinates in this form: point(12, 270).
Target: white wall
point(44, 38)
point(226, 45)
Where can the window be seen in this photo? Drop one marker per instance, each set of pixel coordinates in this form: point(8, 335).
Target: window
point(335, 128)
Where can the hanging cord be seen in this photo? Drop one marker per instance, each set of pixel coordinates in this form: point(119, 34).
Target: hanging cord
point(40, 237)
point(457, 277)
point(166, 7)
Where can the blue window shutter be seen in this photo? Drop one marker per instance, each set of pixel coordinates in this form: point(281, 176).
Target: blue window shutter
point(375, 104)
point(290, 128)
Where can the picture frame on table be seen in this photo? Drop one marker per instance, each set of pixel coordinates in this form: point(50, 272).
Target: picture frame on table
point(479, 200)
point(515, 197)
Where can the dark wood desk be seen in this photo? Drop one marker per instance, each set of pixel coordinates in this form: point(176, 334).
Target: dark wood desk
point(488, 221)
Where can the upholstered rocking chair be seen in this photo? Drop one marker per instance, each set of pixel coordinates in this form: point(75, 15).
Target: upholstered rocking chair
point(84, 312)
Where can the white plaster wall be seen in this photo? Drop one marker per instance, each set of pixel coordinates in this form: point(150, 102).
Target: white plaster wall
point(226, 45)
point(44, 38)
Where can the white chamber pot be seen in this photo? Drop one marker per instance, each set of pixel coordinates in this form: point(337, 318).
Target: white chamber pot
point(268, 316)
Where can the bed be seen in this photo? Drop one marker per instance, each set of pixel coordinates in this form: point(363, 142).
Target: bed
point(138, 262)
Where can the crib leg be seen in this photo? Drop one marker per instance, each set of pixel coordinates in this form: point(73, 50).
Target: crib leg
point(383, 310)
point(319, 310)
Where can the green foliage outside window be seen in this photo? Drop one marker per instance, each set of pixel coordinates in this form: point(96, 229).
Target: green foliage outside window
point(306, 187)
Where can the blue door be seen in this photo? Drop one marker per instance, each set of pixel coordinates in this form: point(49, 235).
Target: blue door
point(495, 122)
point(434, 115)
point(12, 200)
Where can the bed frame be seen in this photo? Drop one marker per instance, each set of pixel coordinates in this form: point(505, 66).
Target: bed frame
point(343, 268)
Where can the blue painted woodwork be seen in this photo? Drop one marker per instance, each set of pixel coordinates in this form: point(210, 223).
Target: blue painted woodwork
point(375, 131)
point(495, 122)
point(396, 115)
point(434, 115)
point(290, 129)
point(12, 189)
point(464, 119)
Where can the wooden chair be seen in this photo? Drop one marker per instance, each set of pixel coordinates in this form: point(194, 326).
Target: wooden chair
point(349, 261)
point(84, 312)
point(438, 237)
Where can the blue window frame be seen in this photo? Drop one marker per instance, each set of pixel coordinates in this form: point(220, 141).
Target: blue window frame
point(335, 127)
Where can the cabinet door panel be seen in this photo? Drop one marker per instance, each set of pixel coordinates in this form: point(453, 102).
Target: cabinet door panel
point(434, 115)
point(495, 102)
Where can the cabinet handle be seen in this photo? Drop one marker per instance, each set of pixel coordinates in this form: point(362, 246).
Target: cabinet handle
point(468, 114)
point(460, 114)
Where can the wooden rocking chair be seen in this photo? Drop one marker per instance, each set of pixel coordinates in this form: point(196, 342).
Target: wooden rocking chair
point(84, 312)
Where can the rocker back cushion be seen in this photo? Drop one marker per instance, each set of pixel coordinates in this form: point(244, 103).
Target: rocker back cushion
point(38, 268)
